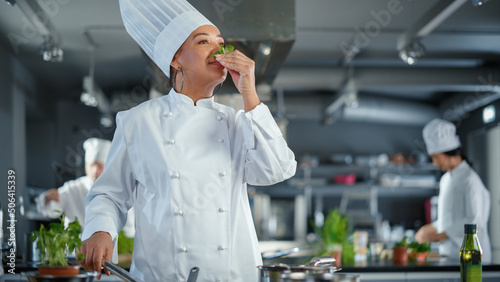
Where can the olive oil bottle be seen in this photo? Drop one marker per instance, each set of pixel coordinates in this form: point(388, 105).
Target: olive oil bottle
point(470, 256)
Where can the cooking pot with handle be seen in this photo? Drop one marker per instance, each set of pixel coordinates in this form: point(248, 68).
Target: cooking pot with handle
point(317, 265)
point(323, 277)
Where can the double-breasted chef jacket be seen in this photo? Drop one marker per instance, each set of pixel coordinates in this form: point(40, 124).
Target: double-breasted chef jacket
point(463, 199)
point(189, 166)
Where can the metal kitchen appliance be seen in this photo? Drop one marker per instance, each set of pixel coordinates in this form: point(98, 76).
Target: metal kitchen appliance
point(324, 277)
point(317, 265)
point(86, 276)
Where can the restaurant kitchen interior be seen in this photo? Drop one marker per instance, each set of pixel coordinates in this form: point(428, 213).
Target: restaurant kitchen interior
point(351, 83)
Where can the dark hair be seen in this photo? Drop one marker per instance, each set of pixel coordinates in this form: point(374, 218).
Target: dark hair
point(458, 152)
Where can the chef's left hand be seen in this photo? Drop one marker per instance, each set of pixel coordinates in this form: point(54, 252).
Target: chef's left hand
point(242, 70)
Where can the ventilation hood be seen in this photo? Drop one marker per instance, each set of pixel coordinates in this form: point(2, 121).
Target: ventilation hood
point(261, 29)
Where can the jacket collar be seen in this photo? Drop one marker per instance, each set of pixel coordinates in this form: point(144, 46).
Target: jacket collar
point(459, 169)
point(179, 99)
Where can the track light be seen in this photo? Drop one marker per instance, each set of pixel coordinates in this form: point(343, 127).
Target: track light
point(476, 3)
point(412, 52)
point(11, 2)
point(51, 51)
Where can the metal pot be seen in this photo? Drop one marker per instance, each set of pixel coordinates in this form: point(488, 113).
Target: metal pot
point(318, 265)
point(324, 277)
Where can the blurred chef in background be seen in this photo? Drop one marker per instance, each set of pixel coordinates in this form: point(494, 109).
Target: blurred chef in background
point(463, 198)
point(70, 198)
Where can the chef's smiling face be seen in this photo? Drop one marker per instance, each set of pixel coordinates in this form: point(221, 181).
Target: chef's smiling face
point(195, 58)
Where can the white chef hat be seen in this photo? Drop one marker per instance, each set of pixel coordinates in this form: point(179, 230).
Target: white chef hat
point(440, 136)
point(160, 27)
point(96, 150)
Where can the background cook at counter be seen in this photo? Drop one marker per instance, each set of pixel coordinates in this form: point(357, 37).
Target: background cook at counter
point(70, 198)
point(463, 198)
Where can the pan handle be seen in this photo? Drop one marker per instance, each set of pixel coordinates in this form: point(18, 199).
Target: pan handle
point(321, 261)
point(120, 272)
point(281, 253)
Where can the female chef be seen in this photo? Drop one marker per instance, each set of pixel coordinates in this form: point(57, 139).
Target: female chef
point(186, 158)
point(463, 198)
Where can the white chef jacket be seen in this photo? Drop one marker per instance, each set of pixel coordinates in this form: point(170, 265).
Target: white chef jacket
point(463, 199)
point(189, 166)
point(72, 197)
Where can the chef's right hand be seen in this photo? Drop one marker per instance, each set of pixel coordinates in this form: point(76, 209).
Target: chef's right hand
point(51, 195)
point(95, 249)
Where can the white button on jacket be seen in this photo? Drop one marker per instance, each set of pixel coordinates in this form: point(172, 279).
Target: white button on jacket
point(141, 162)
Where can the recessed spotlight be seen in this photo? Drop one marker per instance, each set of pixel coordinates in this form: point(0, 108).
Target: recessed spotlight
point(476, 3)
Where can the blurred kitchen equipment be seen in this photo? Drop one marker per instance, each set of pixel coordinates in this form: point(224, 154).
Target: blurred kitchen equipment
point(120, 272)
point(86, 276)
point(308, 277)
point(317, 265)
point(376, 250)
point(360, 239)
point(348, 179)
point(280, 253)
point(32, 253)
point(345, 159)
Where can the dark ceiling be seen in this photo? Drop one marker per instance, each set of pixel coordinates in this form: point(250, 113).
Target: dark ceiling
point(334, 44)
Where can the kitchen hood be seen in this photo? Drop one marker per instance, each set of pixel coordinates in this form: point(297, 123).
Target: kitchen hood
point(263, 30)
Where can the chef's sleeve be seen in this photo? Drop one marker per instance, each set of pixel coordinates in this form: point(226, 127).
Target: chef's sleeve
point(268, 158)
point(50, 209)
point(111, 196)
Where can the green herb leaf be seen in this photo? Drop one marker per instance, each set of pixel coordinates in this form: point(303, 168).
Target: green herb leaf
point(228, 49)
point(224, 50)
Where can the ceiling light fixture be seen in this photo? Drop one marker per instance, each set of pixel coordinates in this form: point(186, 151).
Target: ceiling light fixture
point(412, 52)
point(51, 51)
point(11, 2)
point(265, 48)
point(50, 48)
point(476, 3)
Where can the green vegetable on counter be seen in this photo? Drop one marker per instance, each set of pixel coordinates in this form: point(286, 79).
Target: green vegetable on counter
point(125, 244)
point(419, 247)
point(224, 50)
point(402, 243)
point(414, 245)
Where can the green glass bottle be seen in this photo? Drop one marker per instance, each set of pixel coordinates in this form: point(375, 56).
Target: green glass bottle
point(470, 256)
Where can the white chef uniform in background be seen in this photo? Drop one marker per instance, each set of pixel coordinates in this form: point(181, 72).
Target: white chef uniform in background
point(463, 198)
point(73, 193)
point(188, 166)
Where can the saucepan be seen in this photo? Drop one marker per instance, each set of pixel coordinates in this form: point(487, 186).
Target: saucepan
point(323, 277)
point(317, 265)
point(128, 277)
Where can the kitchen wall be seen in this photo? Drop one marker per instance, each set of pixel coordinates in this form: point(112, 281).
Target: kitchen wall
point(17, 89)
point(73, 124)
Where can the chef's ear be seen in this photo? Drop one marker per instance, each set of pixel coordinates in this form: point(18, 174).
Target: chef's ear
point(175, 60)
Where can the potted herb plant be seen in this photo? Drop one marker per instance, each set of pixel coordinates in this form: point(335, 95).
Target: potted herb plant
point(55, 244)
point(334, 235)
point(400, 252)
